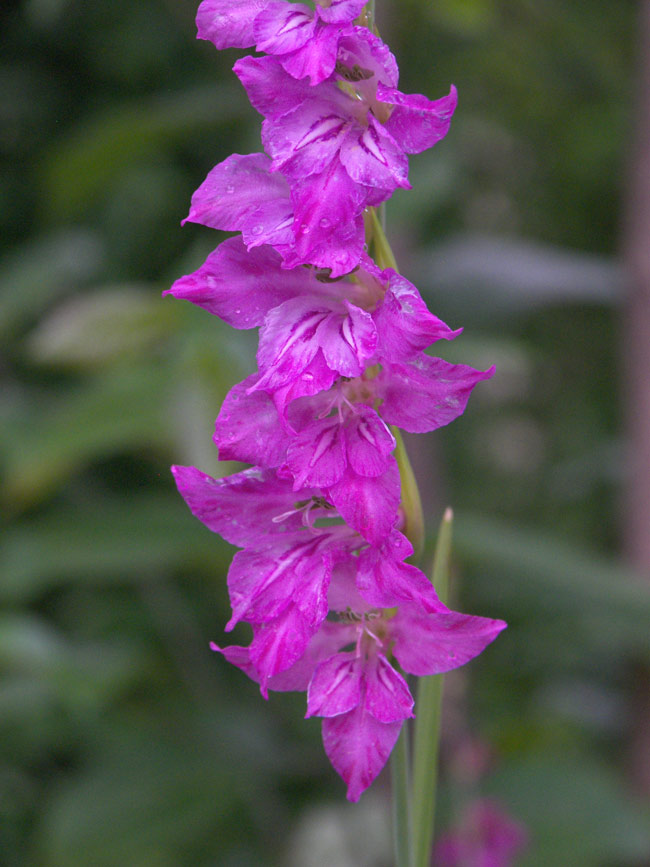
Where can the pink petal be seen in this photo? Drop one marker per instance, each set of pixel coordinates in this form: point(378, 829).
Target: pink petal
point(342, 593)
point(336, 686)
point(348, 340)
point(404, 324)
point(304, 141)
point(248, 427)
point(397, 546)
point(315, 378)
point(296, 330)
point(385, 581)
point(317, 59)
point(238, 656)
point(282, 27)
point(316, 457)
point(240, 194)
point(241, 508)
point(238, 286)
point(289, 341)
point(329, 638)
point(427, 393)
point(327, 209)
point(416, 122)
point(373, 158)
point(438, 642)
point(279, 644)
point(305, 411)
point(271, 90)
point(368, 442)
point(367, 504)
point(228, 23)
point(340, 11)
point(293, 569)
point(361, 48)
point(388, 697)
point(338, 251)
point(358, 747)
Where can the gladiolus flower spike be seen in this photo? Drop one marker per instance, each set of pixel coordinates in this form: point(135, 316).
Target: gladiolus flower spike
point(322, 576)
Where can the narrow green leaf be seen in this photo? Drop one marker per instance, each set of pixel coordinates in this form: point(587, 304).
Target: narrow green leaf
point(122, 409)
point(116, 540)
point(83, 164)
point(41, 270)
point(103, 326)
point(440, 575)
point(427, 721)
point(574, 583)
point(401, 801)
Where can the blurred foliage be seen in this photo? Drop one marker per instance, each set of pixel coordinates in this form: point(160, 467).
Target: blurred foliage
point(121, 740)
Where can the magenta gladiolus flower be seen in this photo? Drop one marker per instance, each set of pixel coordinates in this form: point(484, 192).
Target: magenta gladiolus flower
point(321, 576)
point(242, 195)
point(304, 40)
point(320, 347)
point(486, 836)
point(290, 572)
point(341, 151)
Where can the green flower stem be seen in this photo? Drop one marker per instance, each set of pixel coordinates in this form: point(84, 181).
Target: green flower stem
point(410, 495)
point(401, 800)
point(413, 527)
point(370, 12)
point(383, 254)
point(414, 531)
point(427, 722)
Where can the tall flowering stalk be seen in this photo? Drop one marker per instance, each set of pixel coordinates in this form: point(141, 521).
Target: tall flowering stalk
point(323, 515)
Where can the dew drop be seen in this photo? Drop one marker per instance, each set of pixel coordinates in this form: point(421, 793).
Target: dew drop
point(230, 188)
point(324, 223)
point(257, 230)
point(304, 229)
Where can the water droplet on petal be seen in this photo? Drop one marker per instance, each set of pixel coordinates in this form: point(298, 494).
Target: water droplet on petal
point(230, 188)
point(304, 229)
point(324, 223)
point(257, 230)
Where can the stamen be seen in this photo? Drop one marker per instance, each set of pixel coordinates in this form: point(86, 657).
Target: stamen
point(300, 506)
point(353, 73)
point(336, 396)
point(308, 520)
point(278, 519)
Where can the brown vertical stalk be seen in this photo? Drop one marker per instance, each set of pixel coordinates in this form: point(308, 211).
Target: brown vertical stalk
point(636, 358)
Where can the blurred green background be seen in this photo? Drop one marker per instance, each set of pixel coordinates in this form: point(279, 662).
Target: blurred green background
point(122, 739)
